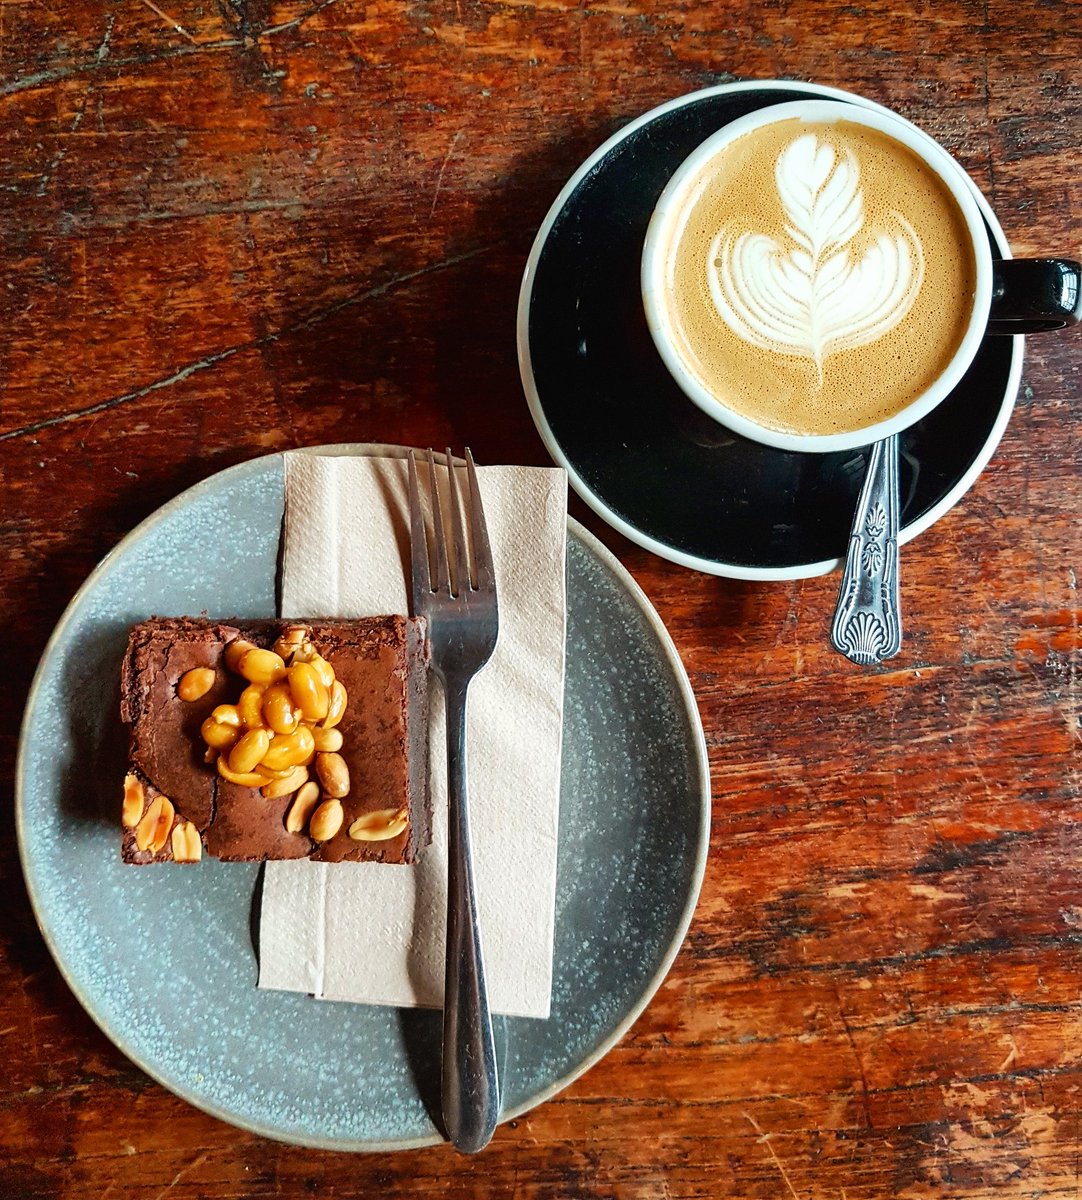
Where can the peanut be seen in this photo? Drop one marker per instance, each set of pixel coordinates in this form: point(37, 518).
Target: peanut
point(195, 684)
point(262, 666)
point(278, 710)
point(323, 669)
point(336, 706)
point(333, 774)
point(305, 652)
point(327, 740)
point(269, 776)
point(326, 820)
point(187, 844)
point(307, 742)
point(134, 798)
point(227, 714)
point(235, 651)
point(303, 806)
point(244, 779)
point(152, 832)
point(290, 641)
point(249, 751)
point(379, 826)
point(250, 706)
point(219, 735)
point(288, 783)
point(288, 749)
point(309, 694)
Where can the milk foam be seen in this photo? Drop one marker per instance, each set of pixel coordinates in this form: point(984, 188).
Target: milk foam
point(819, 276)
point(809, 295)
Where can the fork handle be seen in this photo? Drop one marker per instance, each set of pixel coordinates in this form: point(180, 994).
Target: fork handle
point(471, 1089)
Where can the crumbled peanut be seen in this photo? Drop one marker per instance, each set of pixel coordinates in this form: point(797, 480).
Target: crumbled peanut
point(284, 721)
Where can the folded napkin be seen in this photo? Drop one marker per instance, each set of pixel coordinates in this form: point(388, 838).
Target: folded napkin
point(374, 933)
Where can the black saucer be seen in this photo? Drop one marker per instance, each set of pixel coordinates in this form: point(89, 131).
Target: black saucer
point(638, 451)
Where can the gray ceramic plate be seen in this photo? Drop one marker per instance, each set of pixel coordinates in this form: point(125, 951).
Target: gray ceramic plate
point(164, 959)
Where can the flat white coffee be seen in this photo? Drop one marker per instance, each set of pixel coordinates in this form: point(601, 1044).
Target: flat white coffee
point(819, 276)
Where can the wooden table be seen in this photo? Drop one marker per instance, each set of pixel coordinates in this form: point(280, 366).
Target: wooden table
point(231, 228)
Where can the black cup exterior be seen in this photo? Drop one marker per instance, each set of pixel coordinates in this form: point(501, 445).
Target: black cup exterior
point(1034, 295)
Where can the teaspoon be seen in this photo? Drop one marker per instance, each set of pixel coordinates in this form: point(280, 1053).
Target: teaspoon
point(867, 621)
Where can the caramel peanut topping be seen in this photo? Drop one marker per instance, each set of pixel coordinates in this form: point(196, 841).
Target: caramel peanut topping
point(283, 724)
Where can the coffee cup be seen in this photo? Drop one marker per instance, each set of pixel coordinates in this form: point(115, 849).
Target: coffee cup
point(817, 276)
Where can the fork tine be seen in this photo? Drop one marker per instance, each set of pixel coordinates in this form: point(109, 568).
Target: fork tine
point(418, 541)
point(482, 551)
point(458, 551)
point(443, 578)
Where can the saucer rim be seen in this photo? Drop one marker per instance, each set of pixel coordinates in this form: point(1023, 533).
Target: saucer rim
point(714, 566)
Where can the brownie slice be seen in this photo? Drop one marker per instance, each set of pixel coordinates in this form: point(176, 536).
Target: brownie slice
point(382, 662)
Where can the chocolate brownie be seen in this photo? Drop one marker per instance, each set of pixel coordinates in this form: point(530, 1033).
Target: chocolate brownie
point(178, 802)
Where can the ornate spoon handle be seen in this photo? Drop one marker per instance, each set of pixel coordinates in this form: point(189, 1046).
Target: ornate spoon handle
point(867, 622)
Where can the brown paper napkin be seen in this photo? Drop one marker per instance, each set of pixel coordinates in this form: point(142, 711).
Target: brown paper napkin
point(373, 933)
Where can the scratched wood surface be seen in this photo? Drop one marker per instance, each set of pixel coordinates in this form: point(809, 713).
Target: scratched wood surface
point(230, 228)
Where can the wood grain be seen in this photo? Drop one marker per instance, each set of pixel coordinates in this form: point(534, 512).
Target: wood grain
point(230, 228)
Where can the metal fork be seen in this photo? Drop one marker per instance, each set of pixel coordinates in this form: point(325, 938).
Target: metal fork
point(463, 622)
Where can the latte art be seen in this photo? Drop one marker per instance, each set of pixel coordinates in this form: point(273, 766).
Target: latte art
point(818, 278)
point(810, 295)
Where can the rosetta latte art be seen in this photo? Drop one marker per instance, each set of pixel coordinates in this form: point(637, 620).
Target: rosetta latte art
point(809, 296)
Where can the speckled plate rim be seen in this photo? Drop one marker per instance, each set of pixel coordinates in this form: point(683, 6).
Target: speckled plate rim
point(585, 492)
point(670, 656)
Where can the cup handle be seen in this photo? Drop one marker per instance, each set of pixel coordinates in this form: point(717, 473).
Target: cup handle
point(1030, 295)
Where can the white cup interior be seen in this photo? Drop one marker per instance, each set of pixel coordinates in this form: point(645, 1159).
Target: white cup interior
point(671, 206)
